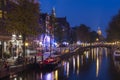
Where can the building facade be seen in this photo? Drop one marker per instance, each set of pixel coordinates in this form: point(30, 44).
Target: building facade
point(54, 30)
point(10, 44)
point(64, 27)
point(100, 36)
point(57, 27)
point(3, 36)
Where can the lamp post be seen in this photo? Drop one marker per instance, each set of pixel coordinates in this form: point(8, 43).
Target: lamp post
point(26, 45)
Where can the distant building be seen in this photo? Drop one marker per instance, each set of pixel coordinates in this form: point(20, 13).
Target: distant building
point(3, 35)
point(58, 27)
point(44, 21)
point(100, 36)
point(62, 22)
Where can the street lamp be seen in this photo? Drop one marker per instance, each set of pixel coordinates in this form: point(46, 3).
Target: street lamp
point(97, 39)
point(26, 45)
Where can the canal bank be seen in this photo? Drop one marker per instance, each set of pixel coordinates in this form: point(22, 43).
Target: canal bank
point(11, 70)
point(92, 64)
point(6, 72)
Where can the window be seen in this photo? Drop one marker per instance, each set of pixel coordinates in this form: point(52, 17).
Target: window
point(5, 12)
point(0, 13)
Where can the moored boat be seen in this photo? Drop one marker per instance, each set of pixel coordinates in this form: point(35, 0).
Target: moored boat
point(116, 54)
point(50, 62)
point(116, 59)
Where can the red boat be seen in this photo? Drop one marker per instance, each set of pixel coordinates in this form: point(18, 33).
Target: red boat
point(50, 62)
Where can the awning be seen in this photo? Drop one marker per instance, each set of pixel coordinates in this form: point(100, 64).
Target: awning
point(5, 38)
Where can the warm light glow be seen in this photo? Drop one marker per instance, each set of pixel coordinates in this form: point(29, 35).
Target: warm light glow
point(82, 59)
point(26, 44)
point(97, 67)
point(73, 64)
point(106, 52)
point(97, 64)
point(92, 54)
point(99, 31)
point(97, 39)
point(78, 64)
point(20, 36)
point(95, 51)
point(0, 13)
point(20, 78)
point(56, 75)
point(13, 35)
point(86, 54)
point(67, 69)
point(15, 78)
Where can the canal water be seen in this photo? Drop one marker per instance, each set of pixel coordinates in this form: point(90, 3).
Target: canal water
point(92, 64)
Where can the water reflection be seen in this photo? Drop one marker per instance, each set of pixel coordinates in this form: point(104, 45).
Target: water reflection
point(78, 64)
point(73, 64)
point(67, 72)
point(117, 65)
point(106, 52)
point(88, 65)
point(82, 60)
point(49, 76)
point(56, 75)
point(116, 61)
point(97, 66)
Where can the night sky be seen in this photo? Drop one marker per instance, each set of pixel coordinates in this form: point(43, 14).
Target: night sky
point(93, 13)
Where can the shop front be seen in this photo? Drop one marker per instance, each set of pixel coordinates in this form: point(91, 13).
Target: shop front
point(10, 47)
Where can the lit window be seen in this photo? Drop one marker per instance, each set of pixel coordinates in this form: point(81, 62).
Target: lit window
point(5, 12)
point(0, 13)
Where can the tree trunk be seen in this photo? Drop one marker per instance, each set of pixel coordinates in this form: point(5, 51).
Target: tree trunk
point(0, 51)
point(24, 39)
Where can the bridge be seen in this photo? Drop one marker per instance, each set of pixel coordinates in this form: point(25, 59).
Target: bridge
point(93, 45)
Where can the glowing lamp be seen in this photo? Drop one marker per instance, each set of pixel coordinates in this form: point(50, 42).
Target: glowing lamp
point(26, 44)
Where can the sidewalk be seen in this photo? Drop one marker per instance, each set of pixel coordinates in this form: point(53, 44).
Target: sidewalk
point(11, 70)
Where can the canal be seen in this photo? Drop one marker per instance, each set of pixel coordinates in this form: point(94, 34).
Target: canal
point(93, 64)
